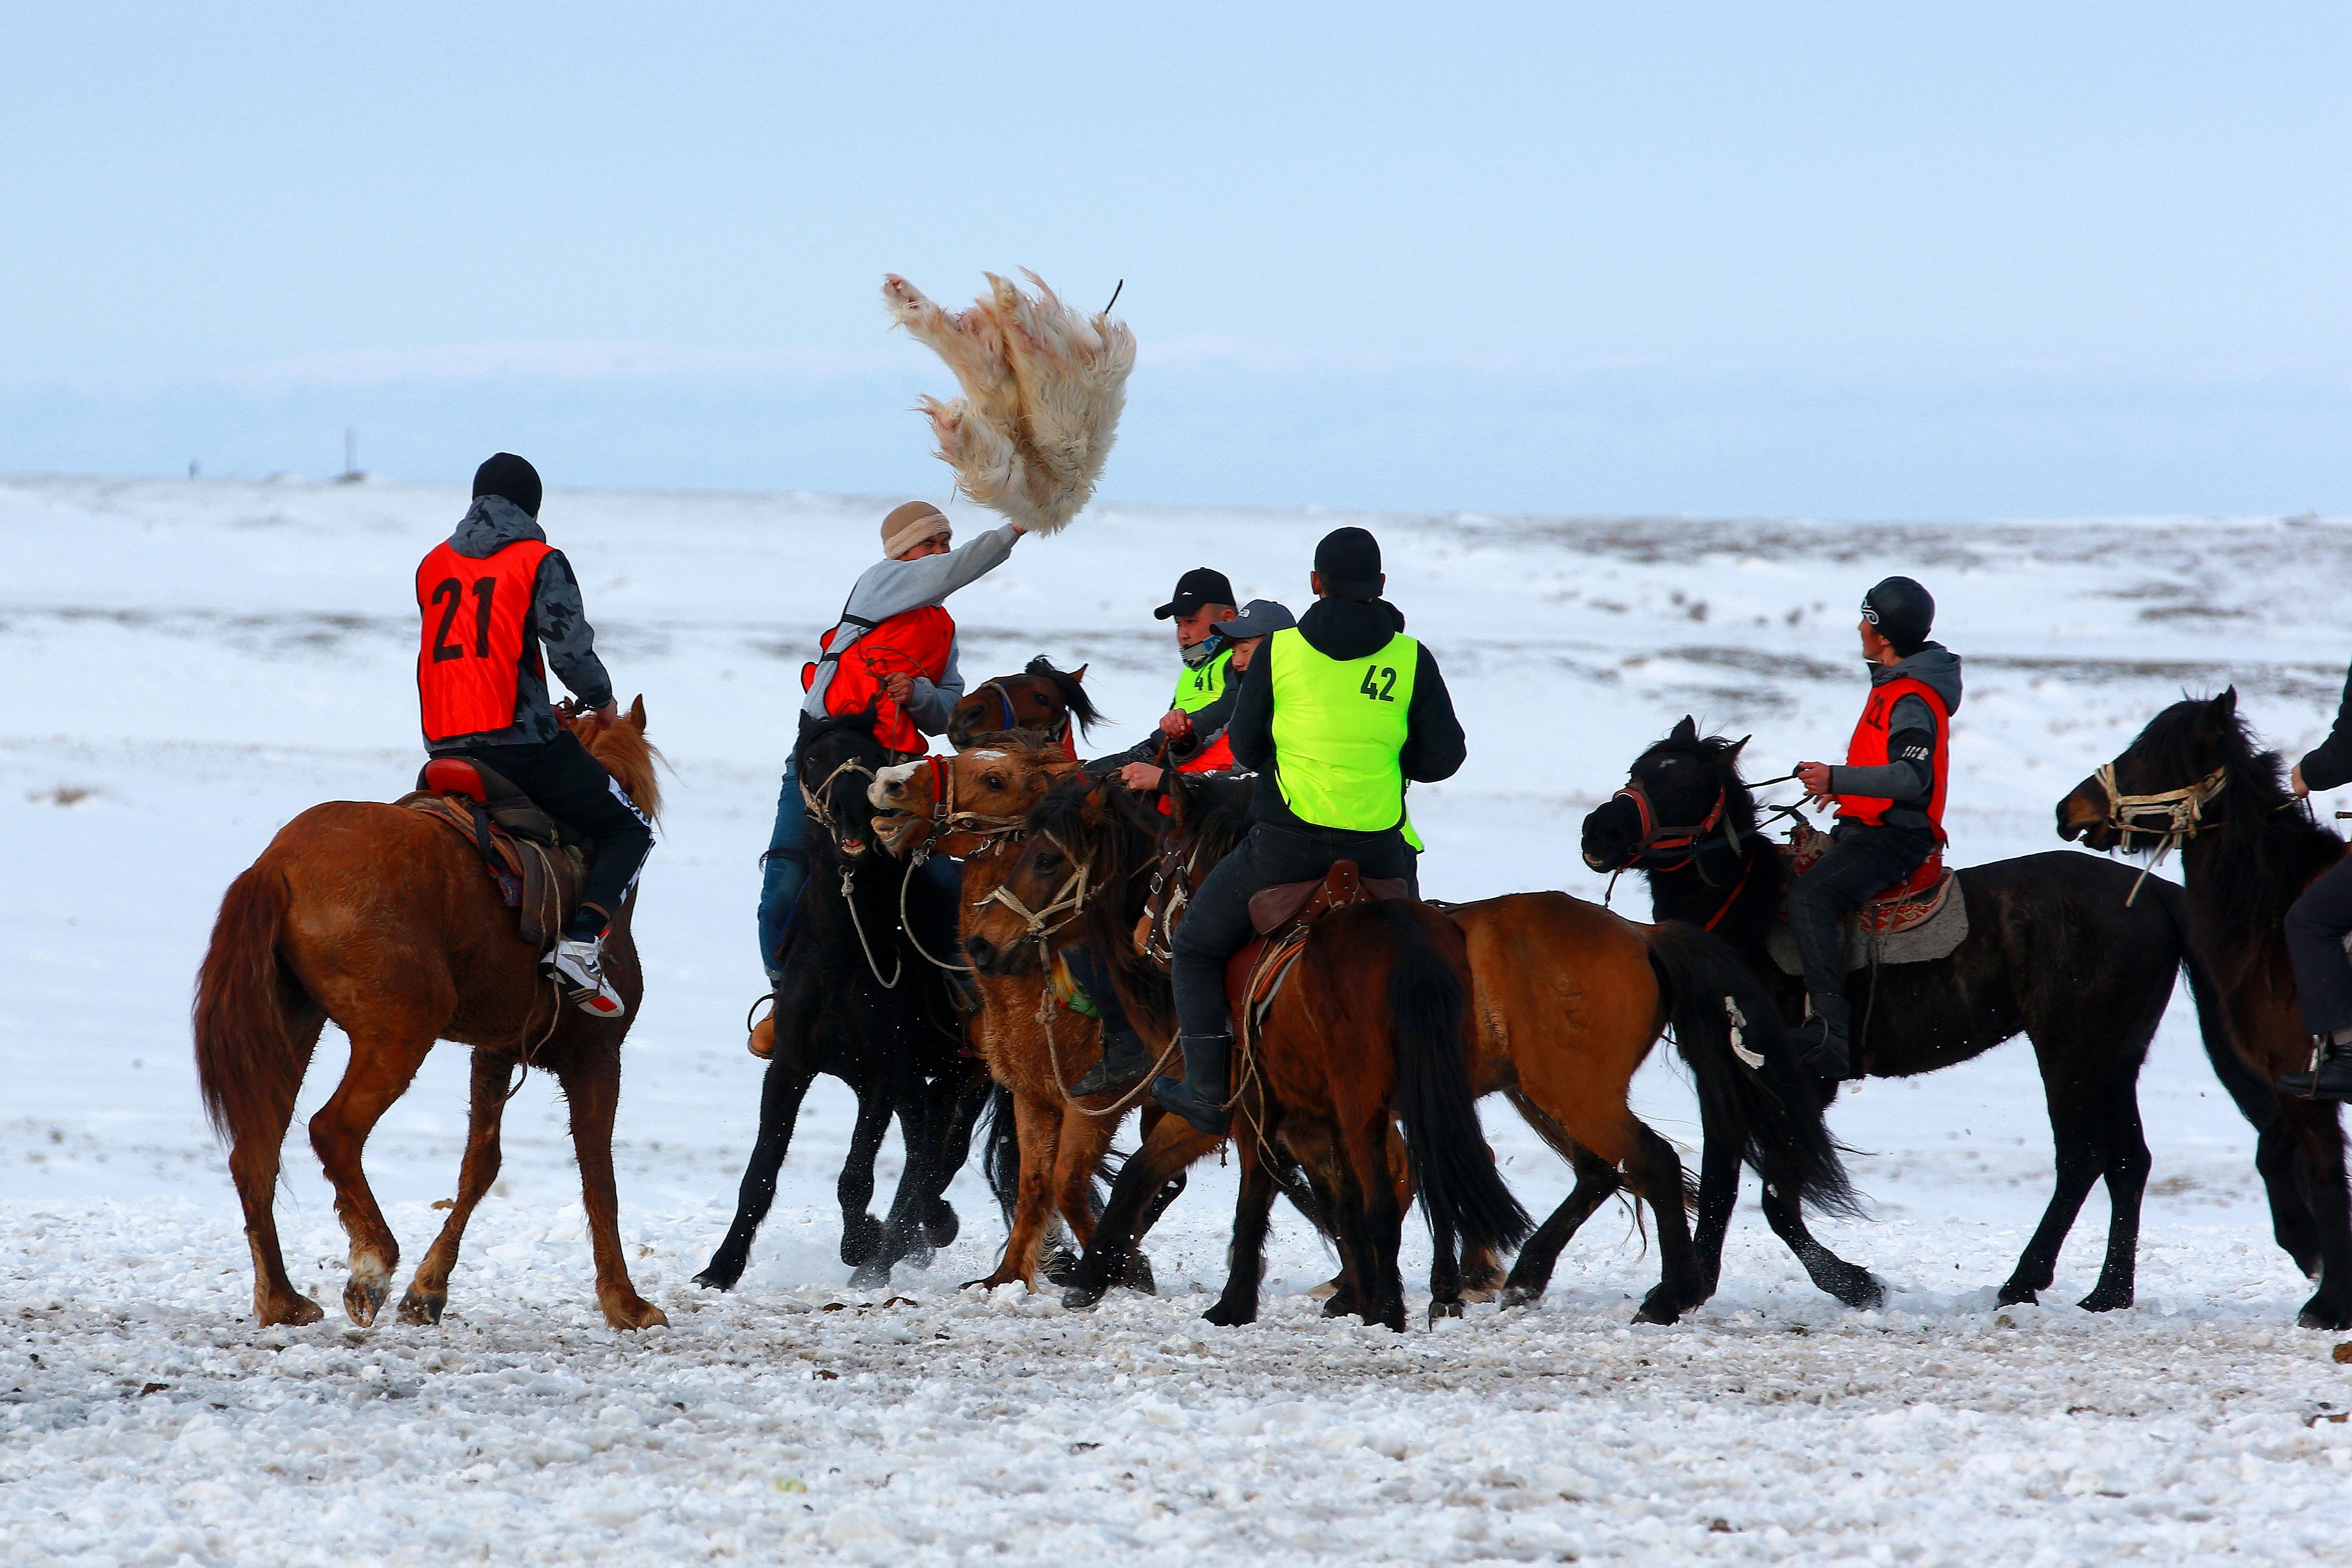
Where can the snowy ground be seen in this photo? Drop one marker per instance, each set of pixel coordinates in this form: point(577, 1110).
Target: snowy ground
point(191, 664)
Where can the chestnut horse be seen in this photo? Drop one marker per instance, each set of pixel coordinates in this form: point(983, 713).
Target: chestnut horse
point(2196, 777)
point(384, 921)
point(1373, 1028)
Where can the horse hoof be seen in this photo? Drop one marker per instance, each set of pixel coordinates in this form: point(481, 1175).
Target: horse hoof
point(363, 1299)
point(1325, 1292)
point(1083, 1298)
point(716, 1279)
point(2318, 1314)
point(1137, 1275)
point(1231, 1314)
point(871, 1276)
point(2105, 1299)
point(942, 1227)
point(1060, 1267)
point(1440, 1311)
point(289, 1309)
point(634, 1313)
point(2015, 1295)
point(422, 1310)
point(1520, 1296)
point(1340, 1304)
point(861, 1240)
point(1865, 1295)
point(1658, 1306)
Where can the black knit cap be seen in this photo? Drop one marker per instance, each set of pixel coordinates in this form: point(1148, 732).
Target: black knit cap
point(509, 477)
point(1349, 562)
point(1904, 612)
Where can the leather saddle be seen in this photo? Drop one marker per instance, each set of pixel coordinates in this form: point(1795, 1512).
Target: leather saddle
point(1912, 901)
point(1282, 915)
point(540, 864)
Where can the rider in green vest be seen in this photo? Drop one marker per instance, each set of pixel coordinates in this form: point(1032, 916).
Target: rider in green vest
point(1204, 688)
point(1336, 715)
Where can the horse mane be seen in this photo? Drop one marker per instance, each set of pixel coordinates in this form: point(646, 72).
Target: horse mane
point(815, 729)
point(628, 756)
point(1073, 692)
point(1110, 829)
point(2275, 844)
point(1217, 811)
point(1719, 756)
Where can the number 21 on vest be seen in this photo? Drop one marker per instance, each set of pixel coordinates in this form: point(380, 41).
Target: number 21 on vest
point(475, 637)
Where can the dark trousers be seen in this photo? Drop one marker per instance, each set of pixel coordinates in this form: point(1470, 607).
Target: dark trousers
point(1094, 975)
point(572, 787)
point(2316, 924)
point(1216, 923)
point(1863, 861)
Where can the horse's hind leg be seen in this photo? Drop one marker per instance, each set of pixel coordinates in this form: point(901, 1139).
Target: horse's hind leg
point(2320, 1137)
point(2074, 1134)
point(782, 1090)
point(2127, 1161)
point(1245, 1256)
point(1596, 1182)
point(903, 1241)
point(252, 1163)
point(383, 1064)
point(591, 1077)
point(1850, 1282)
point(1169, 1149)
point(1655, 1172)
point(968, 1092)
point(1039, 1126)
point(428, 1292)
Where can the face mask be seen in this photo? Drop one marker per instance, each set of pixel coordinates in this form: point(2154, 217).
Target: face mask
point(1202, 652)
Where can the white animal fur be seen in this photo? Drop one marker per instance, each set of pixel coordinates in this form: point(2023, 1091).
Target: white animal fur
point(1043, 388)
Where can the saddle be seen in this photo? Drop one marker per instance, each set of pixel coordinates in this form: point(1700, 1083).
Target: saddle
point(1913, 922)
point(1282, 916)
point(538, 863)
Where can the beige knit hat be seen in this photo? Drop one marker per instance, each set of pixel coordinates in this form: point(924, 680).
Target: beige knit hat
point(910, 525)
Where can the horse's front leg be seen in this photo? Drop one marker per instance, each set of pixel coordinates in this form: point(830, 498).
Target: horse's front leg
point(428, 1292)
point(591, 1077)
point(861, 1232)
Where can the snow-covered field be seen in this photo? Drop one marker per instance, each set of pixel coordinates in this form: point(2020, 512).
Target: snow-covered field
point(190, 664)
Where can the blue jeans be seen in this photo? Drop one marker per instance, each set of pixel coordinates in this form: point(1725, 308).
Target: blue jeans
point(783, 872)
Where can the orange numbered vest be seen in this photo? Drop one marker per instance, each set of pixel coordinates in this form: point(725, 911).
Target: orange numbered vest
point(1215, 757)
point(912, 642)
point(1868, 750)
point(476, 639)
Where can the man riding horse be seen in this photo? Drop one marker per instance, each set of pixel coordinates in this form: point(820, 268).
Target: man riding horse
point(1339, 713)
point(1889, 796)
point(1203, 599)
point(893, 648)
point(492, 597)
point(2316, 925)
point(1200, 746)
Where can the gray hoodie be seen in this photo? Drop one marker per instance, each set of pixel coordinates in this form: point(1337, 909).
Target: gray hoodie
point(557, 621)
point(1908, 779)
point(890, 588)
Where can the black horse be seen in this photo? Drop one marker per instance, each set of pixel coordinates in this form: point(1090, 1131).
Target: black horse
point(2248, 848)
point(860, 1000)
point(2054, 951)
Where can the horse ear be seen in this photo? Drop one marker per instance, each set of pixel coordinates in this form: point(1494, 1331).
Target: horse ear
point(1687, 731)
point(2226, 705)
point(1737, 747)
point(638, 713)
point(1079, 673)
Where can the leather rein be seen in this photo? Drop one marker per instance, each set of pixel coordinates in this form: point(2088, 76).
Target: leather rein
point(1678, 849)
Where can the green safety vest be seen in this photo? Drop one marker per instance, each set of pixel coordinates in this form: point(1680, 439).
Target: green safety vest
point(1202, 684)
point(1339, 728)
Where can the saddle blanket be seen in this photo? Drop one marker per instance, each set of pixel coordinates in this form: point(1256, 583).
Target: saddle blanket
point(1917, 920)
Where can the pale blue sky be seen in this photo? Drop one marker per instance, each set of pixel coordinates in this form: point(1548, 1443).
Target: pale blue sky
point(1849, 260)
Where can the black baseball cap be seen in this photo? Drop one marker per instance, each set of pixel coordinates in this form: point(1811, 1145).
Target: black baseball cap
point(1200, 585)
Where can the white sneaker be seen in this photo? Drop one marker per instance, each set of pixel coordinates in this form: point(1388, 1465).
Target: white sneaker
point(579, 968)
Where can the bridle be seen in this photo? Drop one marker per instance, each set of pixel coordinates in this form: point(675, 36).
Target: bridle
point(1068, 902)
point(996, 683)
point(2182, 813)
point(1662, 848)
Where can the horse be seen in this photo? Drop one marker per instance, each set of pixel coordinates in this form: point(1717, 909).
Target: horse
point(2196, 778)
point(1039, 704)
point(1373, 1028)
point(2054, 951)
point(865, 997)
point(972, 805)
point(383, 921)
point(1569, 1000)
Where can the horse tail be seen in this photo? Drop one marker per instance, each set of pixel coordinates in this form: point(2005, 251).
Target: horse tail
point(1000, 1149)
point(2256, 1101)
point(1723, 1017)
point(248, 1065)
point(1428, 1004)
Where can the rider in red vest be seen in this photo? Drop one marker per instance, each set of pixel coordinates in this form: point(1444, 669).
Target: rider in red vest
point(1889, 796)
point(489, 597)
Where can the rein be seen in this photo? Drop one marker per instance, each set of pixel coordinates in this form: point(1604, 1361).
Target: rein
point(2182, 811)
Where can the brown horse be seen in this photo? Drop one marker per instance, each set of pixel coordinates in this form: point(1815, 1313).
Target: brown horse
point(972, 805)
point(1568, 1000)
point(1373, 1029)
point(384, 921)
point(1038, 704)
point(2196, 778)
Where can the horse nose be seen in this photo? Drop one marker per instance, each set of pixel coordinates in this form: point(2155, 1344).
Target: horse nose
point(982, 951)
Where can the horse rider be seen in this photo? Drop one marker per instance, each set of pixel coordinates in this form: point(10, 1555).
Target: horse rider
point(492, 597)
point(2316, 925)
point(1889, 796)
point(1201, 748)
point(1337, 714)
point(1202, 599)
point(893, 647)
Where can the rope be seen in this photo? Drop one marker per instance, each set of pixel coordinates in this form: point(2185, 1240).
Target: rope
point(2183, 811)
point(906, 926)
point(899, 961)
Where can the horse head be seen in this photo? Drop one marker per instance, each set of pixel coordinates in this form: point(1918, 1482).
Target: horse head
point(1038, 704)
point(836, 758)
point(621, 745)
point(960, 806)
point(1074, 875)
point(2163, 786)
point(1678, 793)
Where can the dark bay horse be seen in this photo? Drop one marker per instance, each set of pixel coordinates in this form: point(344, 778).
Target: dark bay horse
point(1373, 1030)
point(1040, 703)
point(385, 921)
point(866, 999)
point(2196, 777)
point(2053, 951)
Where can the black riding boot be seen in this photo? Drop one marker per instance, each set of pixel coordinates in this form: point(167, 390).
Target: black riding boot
point(2331, 1074)
point(1125, 1060)
point(1200, 1098)
point(1820, 1040)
